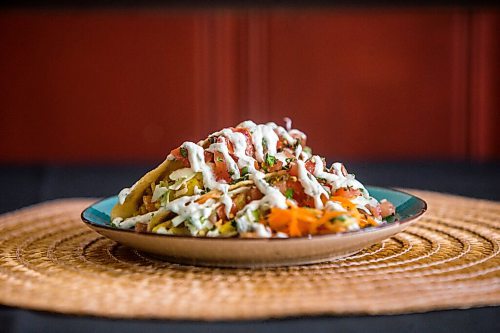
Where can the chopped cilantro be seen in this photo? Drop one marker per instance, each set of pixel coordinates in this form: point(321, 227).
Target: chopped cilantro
point(340, 218)
point(270, 160)
point(184, 152)
point(219, 159)
point(244, 171)
point(245, 177)
point(289, 193)
point(391, 218)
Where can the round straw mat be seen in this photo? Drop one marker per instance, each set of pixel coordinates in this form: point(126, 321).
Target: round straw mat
point(50, 260)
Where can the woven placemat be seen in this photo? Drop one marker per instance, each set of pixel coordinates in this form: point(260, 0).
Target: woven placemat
point(50, 260)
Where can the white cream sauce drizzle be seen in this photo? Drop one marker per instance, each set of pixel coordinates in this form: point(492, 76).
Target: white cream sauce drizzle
point(311, 185)
point(194, 215)
point(264, 139)
point(298, 151)
point(123, 195)
point(283, 133)
point(221, 147)
point(338, 180)
point(131, 221)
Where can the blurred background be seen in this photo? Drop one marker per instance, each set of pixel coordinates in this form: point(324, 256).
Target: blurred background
point(92, 96)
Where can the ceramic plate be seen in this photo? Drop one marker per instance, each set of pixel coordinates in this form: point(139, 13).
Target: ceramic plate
point(258, 252)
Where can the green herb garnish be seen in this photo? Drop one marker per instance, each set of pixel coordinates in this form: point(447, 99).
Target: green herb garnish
point(289, 193)
point(270, 160)
point(391, 218)
point(244, 171)
point(184, 152)
point(340, 218)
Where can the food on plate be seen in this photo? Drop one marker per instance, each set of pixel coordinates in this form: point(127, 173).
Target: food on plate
point(252, 180)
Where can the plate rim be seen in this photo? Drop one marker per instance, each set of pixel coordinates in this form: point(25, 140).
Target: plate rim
point(273, 239)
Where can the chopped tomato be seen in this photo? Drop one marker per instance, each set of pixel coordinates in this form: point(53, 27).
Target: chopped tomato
point(209, 157)
point(280, 145)
point(294, 171)
point(310, 165)
point(348, 192)
point(386, 208)
point(375, 210)
point(250, 149)
point(229, 144)
point(221, 172)
point(180, 156)
point(296, 190)
point(221, 212)
point(278, 165)
point(254, 194)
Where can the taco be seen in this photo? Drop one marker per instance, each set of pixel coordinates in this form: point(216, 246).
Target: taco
point(252, 180)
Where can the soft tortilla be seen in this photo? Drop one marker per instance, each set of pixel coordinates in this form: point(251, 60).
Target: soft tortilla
point(133, 201)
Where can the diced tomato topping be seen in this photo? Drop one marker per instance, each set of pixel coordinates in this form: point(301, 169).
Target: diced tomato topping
point(376, 211)
point(221, 172)
point(221, 212)
point(209, 157)
point(254, 194)
point(310, 166)
point(280, 145)
point(348, 193)
point(294, 170)
point(386, 208)
point(278, 165)
point(298, 193)
point(178, 156)
point(250, 149)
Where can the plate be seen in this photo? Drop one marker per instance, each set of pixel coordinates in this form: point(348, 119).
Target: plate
point(258, 252)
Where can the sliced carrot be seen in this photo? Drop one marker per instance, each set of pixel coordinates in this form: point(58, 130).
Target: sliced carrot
point(210, 195)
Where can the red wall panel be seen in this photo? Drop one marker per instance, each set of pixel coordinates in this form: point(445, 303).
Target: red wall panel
point(115, 85)
point(83, 86)
point(485, 85)
point(376, 86)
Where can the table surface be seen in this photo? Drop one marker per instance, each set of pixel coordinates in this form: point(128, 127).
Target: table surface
point(32, 184)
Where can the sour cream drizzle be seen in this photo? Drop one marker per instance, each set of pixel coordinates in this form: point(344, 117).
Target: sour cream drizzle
point(311, 185)
point(264, 139)
point(221, 147)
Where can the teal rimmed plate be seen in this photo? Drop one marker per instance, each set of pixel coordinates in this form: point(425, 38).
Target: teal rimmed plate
point(258, 252)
